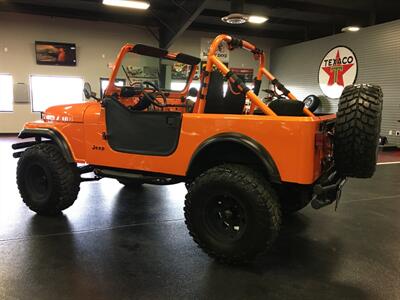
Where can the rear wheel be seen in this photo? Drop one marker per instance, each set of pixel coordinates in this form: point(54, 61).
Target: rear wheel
point(358, 123)
point(232, 213)
point(47, 183)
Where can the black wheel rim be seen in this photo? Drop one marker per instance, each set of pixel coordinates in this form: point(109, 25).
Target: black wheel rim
point(38, 182)
point(225, 218)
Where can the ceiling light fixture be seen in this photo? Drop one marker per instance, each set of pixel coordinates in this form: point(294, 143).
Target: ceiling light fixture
point(351, 29)
point(237, 16)
point(257, 19)
point(128, 4)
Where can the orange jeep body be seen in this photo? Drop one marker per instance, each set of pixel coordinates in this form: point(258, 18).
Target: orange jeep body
point(246, 163)
point(291, 148)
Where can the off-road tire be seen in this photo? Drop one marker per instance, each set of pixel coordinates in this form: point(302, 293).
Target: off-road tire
point(47, 183)
point(358, 124)
point(253, 194)
point(131, 183)
point(312, 102)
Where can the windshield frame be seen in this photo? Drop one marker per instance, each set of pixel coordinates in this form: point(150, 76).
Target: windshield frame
point(152, 52)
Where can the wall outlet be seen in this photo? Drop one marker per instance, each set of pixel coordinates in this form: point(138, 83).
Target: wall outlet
point(397, 133)
point(390, 132)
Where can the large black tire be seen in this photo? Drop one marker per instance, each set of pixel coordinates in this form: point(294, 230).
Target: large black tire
point(47, 183)
point(293, 198)
point(232, 213)
point(358, 124)
point(131, 183)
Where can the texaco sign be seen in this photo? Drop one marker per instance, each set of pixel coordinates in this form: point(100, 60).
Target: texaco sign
point(337, 69)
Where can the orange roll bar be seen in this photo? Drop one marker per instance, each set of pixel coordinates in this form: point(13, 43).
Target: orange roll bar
point(255, 100)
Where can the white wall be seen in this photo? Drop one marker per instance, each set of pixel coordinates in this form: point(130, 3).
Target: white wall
point(18, 32)
point(377, 49)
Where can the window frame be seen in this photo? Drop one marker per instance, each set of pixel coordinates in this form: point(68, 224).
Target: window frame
point(12, 93)
point(58, 76)
point(108, 79)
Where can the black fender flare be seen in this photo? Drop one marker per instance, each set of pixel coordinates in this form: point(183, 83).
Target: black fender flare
point(51, 134)
point(261, 153)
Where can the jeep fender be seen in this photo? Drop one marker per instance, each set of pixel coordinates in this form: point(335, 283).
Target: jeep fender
point(226, 142)
point(51, 134)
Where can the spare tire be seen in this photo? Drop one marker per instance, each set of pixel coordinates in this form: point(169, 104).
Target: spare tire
point(312, 102)
point(357, 128)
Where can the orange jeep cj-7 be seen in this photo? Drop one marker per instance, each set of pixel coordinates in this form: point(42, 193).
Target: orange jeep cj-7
point(245, 163)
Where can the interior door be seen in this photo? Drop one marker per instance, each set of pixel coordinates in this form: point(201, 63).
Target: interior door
point(141, 132)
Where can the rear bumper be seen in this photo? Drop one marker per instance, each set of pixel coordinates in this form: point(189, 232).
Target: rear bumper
point(328, 188)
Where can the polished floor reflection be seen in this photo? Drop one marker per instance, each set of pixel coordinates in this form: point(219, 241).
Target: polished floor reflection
point(114, 243)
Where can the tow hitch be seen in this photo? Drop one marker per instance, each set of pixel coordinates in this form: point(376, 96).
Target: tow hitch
point(328, 189)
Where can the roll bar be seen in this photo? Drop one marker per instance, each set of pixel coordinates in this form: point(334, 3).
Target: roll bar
point(259, 55)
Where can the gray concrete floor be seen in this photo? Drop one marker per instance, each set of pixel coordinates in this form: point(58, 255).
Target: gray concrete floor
point(119, 244)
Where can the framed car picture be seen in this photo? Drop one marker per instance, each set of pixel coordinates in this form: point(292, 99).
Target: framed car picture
point(55, 54)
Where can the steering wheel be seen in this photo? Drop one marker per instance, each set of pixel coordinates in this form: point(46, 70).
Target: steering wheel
point(152, 96)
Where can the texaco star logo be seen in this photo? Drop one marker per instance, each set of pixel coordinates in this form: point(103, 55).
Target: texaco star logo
point(338, 68)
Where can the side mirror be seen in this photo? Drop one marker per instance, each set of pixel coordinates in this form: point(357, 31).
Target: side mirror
point(87, 90)
point(193, 92)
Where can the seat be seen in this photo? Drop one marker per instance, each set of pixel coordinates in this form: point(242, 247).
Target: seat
point(286, 107)
point(216, 103)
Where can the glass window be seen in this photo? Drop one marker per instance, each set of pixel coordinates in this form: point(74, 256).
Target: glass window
point(6, 92)
point(164, 73)
point(104, 84)
point(48, 91)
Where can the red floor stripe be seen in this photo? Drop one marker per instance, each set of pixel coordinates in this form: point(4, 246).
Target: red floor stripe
point(389, 156)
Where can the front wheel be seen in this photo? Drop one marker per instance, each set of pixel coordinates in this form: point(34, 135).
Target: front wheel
point(47, 183)
point(232, 213)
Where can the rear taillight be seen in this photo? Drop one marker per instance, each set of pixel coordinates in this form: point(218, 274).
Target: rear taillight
point(319, 139)
point(328, 144)
point(323, 141)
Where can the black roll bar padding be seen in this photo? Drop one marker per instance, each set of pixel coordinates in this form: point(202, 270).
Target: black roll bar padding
point(149, 51)
point(162, 53)
point(187, 59)
point(237, 81)
point(257, 86)
point(257, 51)
point(280, 87)
point(238, 43)
point(235, 43)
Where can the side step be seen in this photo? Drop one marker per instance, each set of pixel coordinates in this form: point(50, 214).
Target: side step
point(150, 179)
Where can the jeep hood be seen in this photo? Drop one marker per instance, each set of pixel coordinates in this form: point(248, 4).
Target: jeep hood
point(67, 113)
